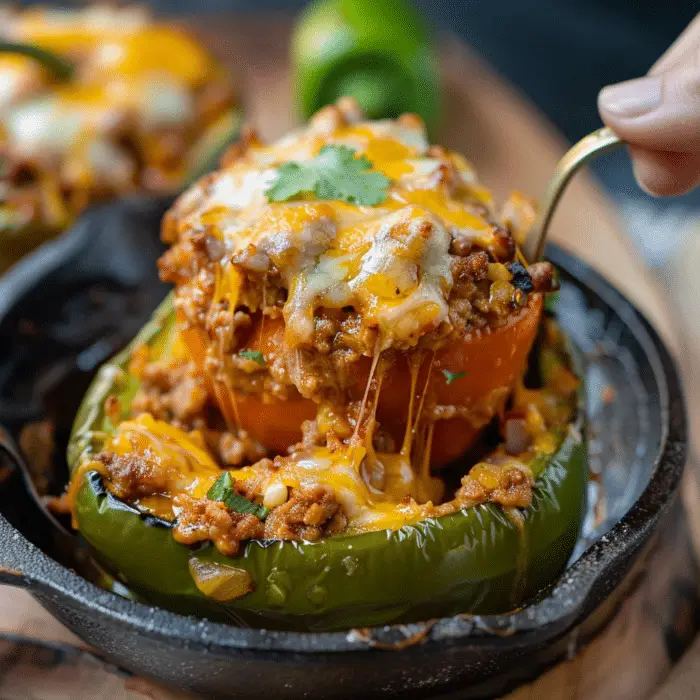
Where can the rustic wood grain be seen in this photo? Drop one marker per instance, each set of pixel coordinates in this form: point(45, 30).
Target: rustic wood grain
point(513, 147)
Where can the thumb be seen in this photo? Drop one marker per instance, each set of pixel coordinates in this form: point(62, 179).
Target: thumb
point(660, 112)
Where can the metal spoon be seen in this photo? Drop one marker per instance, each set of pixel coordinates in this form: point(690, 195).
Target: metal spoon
point(597, 142)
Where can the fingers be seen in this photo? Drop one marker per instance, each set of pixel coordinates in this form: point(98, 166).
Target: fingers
point(659, 117)
point(665, 174)
point(657, 112)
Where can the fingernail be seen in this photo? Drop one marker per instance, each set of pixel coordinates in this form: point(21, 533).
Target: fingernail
point(632, 98)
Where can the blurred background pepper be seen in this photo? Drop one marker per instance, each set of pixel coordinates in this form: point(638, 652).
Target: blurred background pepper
point(379, 51)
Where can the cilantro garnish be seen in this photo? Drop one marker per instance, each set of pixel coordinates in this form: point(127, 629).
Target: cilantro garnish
point(254, 355)
point(223, 491)
point(335, 173)
point(453, 376)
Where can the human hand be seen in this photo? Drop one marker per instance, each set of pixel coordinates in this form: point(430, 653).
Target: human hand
point(659, 117)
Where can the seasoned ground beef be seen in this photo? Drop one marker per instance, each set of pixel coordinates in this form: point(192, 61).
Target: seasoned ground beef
point(136, 474)
point(235, 449)
point(309, 514)
point(202, 520)
point(347, 322)
point(172, 392)
point(508, 484)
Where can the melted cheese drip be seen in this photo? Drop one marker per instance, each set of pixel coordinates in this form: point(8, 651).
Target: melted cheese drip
point(389, 262)
point(189, 468)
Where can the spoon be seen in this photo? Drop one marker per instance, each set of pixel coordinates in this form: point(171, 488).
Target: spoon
point(596, 143)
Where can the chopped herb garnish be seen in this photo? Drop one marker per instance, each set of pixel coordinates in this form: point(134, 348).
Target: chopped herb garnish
point(222, 486)
point(223, 490)
point(453, 376)
point(521, 277)
point(335, 173)
point(254, 355)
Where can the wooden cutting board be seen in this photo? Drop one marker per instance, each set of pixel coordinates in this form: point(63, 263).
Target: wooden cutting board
point(512, 146)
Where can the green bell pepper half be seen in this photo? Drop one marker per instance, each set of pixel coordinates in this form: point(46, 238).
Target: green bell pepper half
point(378, 51)
point(474, 561)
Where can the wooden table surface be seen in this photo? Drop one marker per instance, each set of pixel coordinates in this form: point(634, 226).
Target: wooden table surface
point(512, 146)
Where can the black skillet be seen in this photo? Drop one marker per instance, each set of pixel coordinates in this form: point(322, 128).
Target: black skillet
point(74, 302)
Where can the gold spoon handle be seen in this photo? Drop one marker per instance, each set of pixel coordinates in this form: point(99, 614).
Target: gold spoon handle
point(597, 142)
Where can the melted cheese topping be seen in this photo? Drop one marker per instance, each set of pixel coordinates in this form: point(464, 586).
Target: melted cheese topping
point(186, 466)
point(390, 262)
point(71, 31)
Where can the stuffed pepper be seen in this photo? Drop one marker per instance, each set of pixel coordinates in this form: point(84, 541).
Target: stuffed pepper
point(352, 409)
point(96, 103)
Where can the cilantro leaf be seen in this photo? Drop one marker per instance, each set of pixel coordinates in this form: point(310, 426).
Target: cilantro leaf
point(222, 486)
point(254, 355)
point(223, 491)
point(452, 376)
point(335, 173)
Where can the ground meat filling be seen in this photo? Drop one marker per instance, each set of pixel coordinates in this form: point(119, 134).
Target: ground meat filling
point(172, 392)
point(136, 475)
point(308, 515)
point(309, 300)
point(202, 520)
point(508, 484)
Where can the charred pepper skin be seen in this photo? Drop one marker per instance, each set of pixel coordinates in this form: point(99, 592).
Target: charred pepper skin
point(477, 560)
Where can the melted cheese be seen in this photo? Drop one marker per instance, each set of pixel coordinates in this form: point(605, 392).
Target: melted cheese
point(390, 262)
point(188, 467)
point(71, 31)
point(129, 72)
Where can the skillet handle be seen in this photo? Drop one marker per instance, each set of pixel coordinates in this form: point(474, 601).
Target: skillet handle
point(13, 556)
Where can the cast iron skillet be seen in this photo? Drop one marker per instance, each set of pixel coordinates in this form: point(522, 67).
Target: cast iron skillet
point(76, 301)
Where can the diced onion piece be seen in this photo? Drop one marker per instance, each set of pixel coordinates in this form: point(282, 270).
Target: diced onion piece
point(219, 581)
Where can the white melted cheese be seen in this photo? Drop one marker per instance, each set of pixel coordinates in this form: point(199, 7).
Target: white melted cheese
point(238, 191)
point(19, 77)
point(401, 286)
point(165, 102)
point(390, 262)
point(42, 126)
